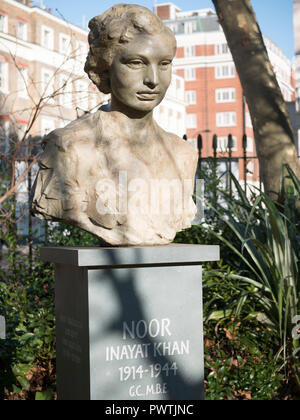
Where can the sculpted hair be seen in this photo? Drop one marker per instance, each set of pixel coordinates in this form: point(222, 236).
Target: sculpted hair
point(108, 32)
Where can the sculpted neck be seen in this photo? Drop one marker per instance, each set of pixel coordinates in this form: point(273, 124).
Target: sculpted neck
point(137, 121)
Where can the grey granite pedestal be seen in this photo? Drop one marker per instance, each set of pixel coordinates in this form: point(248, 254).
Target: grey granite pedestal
point(129, 322)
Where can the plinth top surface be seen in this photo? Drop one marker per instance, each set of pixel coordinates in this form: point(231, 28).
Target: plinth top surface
point(174, 254)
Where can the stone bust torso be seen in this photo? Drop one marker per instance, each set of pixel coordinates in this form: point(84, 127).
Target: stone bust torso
point(117, 174)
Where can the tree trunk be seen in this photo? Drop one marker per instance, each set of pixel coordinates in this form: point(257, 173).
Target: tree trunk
point(272, 128)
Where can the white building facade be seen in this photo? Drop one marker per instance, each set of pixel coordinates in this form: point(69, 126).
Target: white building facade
point(41, 62)
point(170, 114)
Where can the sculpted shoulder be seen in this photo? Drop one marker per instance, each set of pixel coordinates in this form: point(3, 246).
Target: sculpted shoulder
point(185, 153)
point(185, 146)
point(82, 130)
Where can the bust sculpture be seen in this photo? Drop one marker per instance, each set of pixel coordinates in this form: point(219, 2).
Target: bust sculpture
point(117, 174)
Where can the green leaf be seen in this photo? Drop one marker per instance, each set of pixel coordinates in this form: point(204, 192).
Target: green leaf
point(21, 369)
point(23, 381)
point(44, 395)
point(217, 315)
point(16, 389)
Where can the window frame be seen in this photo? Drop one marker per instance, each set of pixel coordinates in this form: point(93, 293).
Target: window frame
point(221, 119)
point(189, 51)
point(223, 148)
point(47, 86)
point(45, 28)
point(67, 50)
point(219, 71)
point(222, 49)
point(4, 86)
point(81, 57)
point(191, 97)
point(231, 93)
point(23, 82)
point(5, 23)
point(24, 34)
point(190, 117)
point(187, 74)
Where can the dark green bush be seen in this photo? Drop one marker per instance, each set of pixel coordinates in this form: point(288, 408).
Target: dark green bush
point(260, 243)
point(27, 355)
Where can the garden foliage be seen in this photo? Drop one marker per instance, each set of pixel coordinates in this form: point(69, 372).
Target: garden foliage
point(250, 297)
point(261, 284)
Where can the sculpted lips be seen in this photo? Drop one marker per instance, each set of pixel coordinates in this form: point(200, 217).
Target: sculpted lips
point(147, 95)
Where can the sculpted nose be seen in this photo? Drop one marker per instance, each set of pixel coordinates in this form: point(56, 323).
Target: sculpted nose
point(151, 77)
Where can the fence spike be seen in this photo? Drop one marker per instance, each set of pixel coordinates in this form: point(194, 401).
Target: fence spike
point(245, 140)
point(215, 142)
point(230, 142)
point(200, 142)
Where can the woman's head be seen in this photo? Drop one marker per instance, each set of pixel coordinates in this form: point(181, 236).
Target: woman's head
point(113, 30)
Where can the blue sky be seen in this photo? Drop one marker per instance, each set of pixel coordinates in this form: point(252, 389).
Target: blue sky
point(274, 16)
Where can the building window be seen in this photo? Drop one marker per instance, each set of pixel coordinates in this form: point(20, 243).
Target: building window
point(81, 51)
point(225, 95)
point(226, 119)
point(66, 95)
point(225, 71)
point(248, 120)
point(22, 82)
point(191, 121)
point(47, 125)
point(64, 44)
point(250, 147)
point(47, 38)
point(221, 49)
point(223, 144)
point(47, 85)
point(250, 168)
point(190, 74)
point(191, 97)
point(3, 23)
point(22, 31)
point(189, 51)
point(3, 76)
point(190, 27)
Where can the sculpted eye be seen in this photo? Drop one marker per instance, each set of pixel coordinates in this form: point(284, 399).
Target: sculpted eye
point(137, 63)
point(165, 64)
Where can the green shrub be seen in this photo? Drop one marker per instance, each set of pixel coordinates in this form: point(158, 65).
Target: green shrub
point(260, 243)
point(28, 352)
point(267, 242)
point(239, 351)
point(27, 355)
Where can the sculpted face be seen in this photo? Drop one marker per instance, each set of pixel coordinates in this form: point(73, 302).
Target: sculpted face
point(141, 72)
